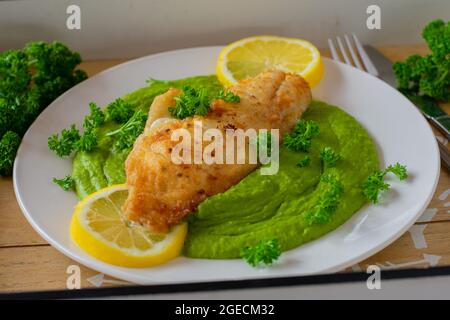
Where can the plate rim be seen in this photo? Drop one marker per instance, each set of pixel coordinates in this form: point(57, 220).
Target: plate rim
point(116, 272)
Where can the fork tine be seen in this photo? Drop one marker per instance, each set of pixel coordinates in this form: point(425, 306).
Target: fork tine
point(343, 51)
point(334, 53)
point(353, 53)
point(365, 58)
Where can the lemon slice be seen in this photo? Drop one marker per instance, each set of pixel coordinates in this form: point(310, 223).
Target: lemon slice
point(99, 228)
point(250, 56)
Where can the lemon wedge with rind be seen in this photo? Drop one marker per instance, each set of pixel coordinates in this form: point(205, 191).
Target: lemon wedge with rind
point(98, 227)
point(248, 57)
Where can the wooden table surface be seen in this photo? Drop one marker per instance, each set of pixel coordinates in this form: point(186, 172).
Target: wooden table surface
point(29, 263)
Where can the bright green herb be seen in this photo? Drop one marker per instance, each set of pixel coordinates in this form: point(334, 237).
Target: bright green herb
point(306, 161)
point(95, 119)
point(30, 79)
point(127, 134)
point(374, 185)
point(67, 183)
point(301, 136)
point(197, 102)
point(87, 142)
point(399, 170)
point(329, 200)
point(64, 145)
point(120, 111)
point(264, 253)
point(228, 97)
point(329, 156)
point(429, 75)
point(8, 146)
point(191, 102)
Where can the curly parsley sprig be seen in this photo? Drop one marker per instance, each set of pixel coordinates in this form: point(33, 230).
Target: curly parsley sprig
point(127, 134)
point(228, 96)
point(67, 183)
point(9, 144)
point(70, 139)
point(329, 200)
point(374, 185)
point(329, 157)
point(306, 161)
point(63, 145)
point(302, 135)
point(428, 75)
point(263, 253)
point(197, 102)
point(120, 111)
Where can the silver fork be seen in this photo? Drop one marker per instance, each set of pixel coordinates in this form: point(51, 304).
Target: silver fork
point(360, 59)
point(361, 62)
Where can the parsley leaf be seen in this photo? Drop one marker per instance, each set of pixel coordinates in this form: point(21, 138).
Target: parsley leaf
point(228, 97)
point(197, 102)
point(127, 134)
point(399, 170)
point(67, 183)
point(301, 136)
point(264, 253)
point(191, 102)
point(374, 185)
point(95, 119)
point(120, 111)
point(64, 145)
point(9, 144)
point(87, 142)
point(329, 200)
point(329, 157)
point(306, 161)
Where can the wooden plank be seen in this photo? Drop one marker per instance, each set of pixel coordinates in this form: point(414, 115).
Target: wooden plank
point(405, 253)
point(14, 228)
point(38, 268)
point(44, 268)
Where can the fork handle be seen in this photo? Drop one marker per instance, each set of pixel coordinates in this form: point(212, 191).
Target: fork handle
point(445, 154)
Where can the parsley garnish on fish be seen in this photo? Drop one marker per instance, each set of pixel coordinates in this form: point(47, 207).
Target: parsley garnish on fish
point(197, 102)
point(67, 183)
point(301, 136)
point(191, 102)
point(329, 156)
point(228, 97)
point(329, 200)
point(263, 253)
point(374, 185)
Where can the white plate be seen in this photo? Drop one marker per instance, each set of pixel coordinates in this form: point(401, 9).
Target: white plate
point(400, 131)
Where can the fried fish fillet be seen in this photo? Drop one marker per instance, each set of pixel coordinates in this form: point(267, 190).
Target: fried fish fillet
point(162, 193)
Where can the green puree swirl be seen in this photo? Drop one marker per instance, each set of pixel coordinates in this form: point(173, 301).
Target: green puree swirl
point(259, 207)
point(265, 207)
